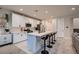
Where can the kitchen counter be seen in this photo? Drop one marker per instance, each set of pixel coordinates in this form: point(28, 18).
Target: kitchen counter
point(40, 34)
point(5, 39)
point(34, 41)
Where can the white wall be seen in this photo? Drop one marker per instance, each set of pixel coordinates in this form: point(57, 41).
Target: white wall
point(50, 24)
point(54, 24)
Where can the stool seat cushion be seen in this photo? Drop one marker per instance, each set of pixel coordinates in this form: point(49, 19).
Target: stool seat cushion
point(45, 37)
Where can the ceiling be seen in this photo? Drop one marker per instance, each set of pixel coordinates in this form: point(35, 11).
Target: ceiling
point(44, 11)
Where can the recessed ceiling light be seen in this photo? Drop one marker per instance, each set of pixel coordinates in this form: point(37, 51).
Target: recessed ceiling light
point(73, 8)
point(46, 11)
point(21, 9)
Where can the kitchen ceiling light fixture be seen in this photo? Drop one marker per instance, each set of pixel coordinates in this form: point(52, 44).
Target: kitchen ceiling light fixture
point(36, 10)
point(73, 9)
point(21, 9)
point(46, 12)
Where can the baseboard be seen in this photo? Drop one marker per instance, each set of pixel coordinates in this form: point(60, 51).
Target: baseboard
point(6, 44)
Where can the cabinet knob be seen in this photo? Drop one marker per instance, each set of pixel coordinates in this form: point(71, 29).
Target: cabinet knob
point(21, 35)
point(5, 38)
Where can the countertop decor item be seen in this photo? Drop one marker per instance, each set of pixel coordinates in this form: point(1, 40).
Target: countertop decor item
point(7, 30)
point(28, 25)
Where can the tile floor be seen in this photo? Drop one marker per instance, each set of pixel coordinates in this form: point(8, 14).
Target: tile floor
point(62, 46)
point(10, 49)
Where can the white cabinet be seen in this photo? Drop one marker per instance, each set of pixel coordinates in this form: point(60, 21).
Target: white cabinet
point(4, 39)
point(34, 42)
point(19, 20)
point(18, 37)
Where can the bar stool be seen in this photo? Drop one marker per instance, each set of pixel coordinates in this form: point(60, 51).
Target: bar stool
point(49, 46)
point(44, 51)
point(52, 39)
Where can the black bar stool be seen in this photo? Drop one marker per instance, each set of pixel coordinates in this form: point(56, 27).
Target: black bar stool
point(49, 46)
point(44, 51)
point(52, 39)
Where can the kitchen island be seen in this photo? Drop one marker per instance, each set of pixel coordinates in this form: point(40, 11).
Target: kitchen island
point(34, 41)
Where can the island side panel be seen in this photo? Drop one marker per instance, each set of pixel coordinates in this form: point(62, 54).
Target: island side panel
point(34, 43)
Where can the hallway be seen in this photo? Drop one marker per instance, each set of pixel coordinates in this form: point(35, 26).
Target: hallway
point(63, 46)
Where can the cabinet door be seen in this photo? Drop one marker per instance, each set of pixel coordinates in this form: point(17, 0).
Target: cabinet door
point(23, 36)
point(16, 38)
point(19, 37)
point(5, 39)
point(1, 40)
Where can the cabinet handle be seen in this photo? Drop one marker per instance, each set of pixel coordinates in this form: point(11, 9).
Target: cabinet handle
point(21, 35)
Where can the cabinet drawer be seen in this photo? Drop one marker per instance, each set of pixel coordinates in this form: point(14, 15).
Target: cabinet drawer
point(18, 37)
point(3, 42)
point(5, 39)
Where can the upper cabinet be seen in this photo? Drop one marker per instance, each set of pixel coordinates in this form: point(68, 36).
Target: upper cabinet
point(34, 22)
point(17, 20)
point(20, 21)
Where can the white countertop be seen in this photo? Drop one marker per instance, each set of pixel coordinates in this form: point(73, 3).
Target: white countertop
point(40, 34)
point(5, 34)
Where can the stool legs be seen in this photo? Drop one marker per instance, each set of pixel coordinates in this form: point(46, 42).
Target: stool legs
point(44, 51)
point(49, 46)
point(52, 40)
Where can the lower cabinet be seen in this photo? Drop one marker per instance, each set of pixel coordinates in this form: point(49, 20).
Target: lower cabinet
point(18, 37)
point(5, 39)
point(75, 41)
